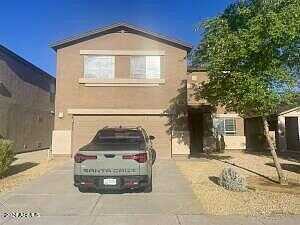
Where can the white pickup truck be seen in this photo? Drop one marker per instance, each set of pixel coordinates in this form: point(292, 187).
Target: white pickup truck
point(118, 158)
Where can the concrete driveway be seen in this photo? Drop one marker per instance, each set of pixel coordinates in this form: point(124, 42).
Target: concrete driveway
point(57, 201)
point(55, 198)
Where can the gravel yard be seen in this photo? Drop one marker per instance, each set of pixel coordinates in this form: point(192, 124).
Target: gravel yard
point(26, 167)
point(264, 197)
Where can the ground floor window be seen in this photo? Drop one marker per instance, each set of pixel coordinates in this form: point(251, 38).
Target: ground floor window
point(225, 126)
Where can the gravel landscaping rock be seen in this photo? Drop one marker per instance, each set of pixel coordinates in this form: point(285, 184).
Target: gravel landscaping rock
point(216, 200)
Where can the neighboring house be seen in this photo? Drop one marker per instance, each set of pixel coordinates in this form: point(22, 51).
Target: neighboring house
point(122, 75)
point(284, 129)
point(26, 102)
point(288, 130)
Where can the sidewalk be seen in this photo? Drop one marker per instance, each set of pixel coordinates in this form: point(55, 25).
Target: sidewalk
point(154, 219)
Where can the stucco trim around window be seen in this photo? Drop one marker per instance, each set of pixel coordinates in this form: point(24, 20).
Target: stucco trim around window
point(121, 52)
point(219, 115)
point(120, 82)
point(117, 111)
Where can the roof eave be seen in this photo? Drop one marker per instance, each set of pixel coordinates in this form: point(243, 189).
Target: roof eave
point(77, 38)
point(288, 111)
point(24, 61)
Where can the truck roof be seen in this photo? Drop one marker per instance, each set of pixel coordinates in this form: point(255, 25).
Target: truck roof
point(122, 127)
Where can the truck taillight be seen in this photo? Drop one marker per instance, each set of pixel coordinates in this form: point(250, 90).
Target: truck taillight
point(140, 158)
point(79, 158)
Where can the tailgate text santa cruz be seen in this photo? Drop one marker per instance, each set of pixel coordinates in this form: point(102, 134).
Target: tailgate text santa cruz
point(108, 170)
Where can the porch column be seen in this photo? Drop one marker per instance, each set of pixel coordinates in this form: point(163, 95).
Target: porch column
point(281, 133)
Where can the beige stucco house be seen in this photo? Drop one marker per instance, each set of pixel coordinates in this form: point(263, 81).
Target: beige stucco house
point(123, 75)
point(27, 96)
point(288, 130)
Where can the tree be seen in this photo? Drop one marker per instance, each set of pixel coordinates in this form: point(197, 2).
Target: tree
point(252, 55)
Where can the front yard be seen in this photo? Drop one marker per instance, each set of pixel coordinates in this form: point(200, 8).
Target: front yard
point(26, 167)
point(264, 196)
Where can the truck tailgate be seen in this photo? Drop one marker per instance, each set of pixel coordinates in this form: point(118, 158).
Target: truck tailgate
point(110, 163)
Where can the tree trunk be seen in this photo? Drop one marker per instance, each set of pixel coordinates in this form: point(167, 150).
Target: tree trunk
point(282, 178)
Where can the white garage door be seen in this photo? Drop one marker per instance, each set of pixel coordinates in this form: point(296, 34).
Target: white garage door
point(85, 128)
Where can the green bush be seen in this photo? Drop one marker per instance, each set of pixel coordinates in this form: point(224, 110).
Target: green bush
point(6, 155)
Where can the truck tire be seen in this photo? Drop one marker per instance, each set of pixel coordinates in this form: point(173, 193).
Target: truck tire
point(83, 189)
point(148, 189)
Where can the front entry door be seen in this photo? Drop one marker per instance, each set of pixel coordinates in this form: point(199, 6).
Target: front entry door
point(196, 132)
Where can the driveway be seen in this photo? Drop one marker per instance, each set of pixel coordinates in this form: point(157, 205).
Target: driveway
point(58, 202)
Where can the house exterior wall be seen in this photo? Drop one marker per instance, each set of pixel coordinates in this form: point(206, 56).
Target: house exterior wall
point(73, 94)
point(238, 141)
point(195, 78)
point(26, 102)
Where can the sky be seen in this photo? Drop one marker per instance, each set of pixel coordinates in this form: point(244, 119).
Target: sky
point(28, 27)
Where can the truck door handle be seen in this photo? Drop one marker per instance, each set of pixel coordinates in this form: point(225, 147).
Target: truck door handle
point(109, 155)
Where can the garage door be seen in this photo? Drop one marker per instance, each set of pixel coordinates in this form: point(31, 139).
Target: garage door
point(85, 128)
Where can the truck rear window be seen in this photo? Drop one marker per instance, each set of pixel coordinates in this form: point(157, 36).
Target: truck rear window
point(111, 136)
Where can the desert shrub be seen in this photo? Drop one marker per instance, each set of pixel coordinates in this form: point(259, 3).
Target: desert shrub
point(6, 155)
point(231, 180)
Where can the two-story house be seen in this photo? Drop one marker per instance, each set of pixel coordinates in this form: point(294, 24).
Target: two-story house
point(27, 96)
point(122, 75)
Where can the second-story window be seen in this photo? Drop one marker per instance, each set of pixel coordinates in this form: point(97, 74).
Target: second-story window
point(145, 67)
point(99, 67)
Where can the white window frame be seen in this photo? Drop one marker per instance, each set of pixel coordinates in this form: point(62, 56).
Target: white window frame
point(222, 121)
point(148, 74)
point(99, 75)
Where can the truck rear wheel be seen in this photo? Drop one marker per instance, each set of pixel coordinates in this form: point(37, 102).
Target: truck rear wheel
point(84, 189)
point(148, 189)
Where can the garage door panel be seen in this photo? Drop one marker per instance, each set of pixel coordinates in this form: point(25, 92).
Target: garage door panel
point(85, 128)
